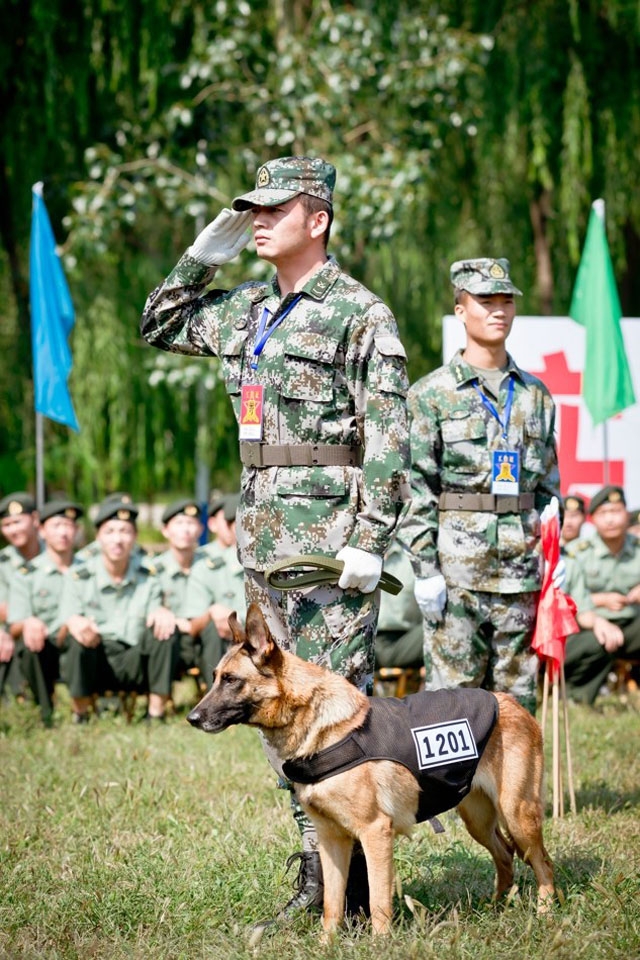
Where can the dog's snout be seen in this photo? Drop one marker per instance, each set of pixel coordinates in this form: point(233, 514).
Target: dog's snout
point(195, 717)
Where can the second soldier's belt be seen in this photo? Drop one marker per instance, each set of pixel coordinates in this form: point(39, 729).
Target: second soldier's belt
point(487, 502)
point(254, 454)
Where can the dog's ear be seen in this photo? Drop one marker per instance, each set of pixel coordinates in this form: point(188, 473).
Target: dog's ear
point(258, 640)
point(237, 632)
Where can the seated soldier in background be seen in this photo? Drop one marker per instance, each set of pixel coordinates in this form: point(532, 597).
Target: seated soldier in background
point(399, 640)
point(35, 600)
point(120, 637)
point(216, 586)
point(19, 527)
point(93, 549)
point(575, 514)
point(604, 580)
point(182, 528)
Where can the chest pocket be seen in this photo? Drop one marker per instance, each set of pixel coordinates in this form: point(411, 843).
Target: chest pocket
point(231, 359)
point(309, 367)
point(464, 439)
point(533, 448)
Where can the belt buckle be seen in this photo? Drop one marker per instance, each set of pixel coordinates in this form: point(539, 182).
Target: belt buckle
point(252, 454)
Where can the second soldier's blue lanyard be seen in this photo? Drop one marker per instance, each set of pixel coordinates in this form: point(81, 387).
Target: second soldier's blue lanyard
point(264, 334)
point(504, 423)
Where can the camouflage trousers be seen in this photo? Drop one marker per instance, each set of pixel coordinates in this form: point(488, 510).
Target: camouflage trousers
point(484, 641)
point(324, 625)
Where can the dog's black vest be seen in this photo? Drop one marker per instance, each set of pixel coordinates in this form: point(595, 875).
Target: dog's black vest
point(438, 735)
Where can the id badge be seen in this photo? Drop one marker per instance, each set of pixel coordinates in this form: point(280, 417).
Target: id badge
point(251, 412)
point(505, 472)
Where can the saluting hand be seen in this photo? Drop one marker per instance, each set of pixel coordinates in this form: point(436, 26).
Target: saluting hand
point(222, 239)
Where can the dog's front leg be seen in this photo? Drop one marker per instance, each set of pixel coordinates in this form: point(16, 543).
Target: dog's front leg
point(377, 843)
point(335, 856)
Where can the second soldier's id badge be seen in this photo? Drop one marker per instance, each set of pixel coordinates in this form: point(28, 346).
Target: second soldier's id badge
point(505, 472)
point(251, 411)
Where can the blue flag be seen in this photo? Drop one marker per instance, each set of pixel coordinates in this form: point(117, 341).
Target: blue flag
point(52, 318)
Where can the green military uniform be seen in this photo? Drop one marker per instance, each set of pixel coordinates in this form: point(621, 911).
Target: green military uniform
point(486, 546)
point(128, 656)
point(593, 568)
point(37, 592)
point(331, 466)
point(218, 578)
point(11, 560)
point(399, 640)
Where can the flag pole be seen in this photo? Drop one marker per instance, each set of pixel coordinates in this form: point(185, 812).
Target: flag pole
point(39, 460)
point(600, 209)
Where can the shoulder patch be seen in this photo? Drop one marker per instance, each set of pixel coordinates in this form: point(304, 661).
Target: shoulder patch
point(26, 567)
point(576, 547)
point(81, 572)
point(3, 556)
point(214, 563)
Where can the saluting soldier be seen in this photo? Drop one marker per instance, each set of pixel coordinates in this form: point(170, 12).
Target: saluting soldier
point(34, 606)
point(182, 528)
point(19, 527)
point(216, 585)
point(120, 636)
point(316, 373)
point(484, 466)
point(604, 580)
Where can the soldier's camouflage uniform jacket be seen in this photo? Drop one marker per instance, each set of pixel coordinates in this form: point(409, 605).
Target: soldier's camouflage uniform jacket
point(452, 438)
point(333, 372)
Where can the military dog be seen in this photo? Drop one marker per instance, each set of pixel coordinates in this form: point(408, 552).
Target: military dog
point(305, 711)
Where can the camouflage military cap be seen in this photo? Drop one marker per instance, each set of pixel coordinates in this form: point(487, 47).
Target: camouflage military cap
point(482, 276)
point(285, 178)
point(574, 502)
point(16, 503)
point(111, 509)
point(188, 506)
point(61, 508)
point(608, 494)
point(227, 502)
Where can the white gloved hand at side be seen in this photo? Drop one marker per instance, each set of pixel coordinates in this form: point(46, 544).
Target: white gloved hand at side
point(431, 596)
point(551, 510)
point(362, 570)
point(223, 238)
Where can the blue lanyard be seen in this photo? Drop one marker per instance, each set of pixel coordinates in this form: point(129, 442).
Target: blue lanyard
point(264, 334)
point(492, 410)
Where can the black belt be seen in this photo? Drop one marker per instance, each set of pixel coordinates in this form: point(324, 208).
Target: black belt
point(326, 570)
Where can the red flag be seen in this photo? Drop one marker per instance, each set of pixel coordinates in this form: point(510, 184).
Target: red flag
point(556, 610)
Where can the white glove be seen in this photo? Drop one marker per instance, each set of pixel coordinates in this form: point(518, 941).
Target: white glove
point(362, 570)
point(431, 596)
point(559, 575)
point(551, 510)
point(222, 239)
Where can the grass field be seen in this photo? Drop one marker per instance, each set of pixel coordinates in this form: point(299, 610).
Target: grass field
point(124, 841)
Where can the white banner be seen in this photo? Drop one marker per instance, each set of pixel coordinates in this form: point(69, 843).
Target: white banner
point(552, 348)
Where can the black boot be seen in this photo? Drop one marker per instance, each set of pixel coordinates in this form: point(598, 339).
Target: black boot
point(308, 887)
point(357, 895)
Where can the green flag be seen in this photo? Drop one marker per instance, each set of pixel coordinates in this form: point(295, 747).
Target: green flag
point(606, 382)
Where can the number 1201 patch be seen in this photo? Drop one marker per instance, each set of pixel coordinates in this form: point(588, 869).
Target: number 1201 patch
point(442, 744)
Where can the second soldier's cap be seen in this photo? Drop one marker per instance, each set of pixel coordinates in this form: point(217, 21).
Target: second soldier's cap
point(188, 506)
point(111, 509)
point(227, 502)
point(61, 508)
point(574, 502)
point(607, 494)
point(16, 503)
point(482, 276)
point(283, 179)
